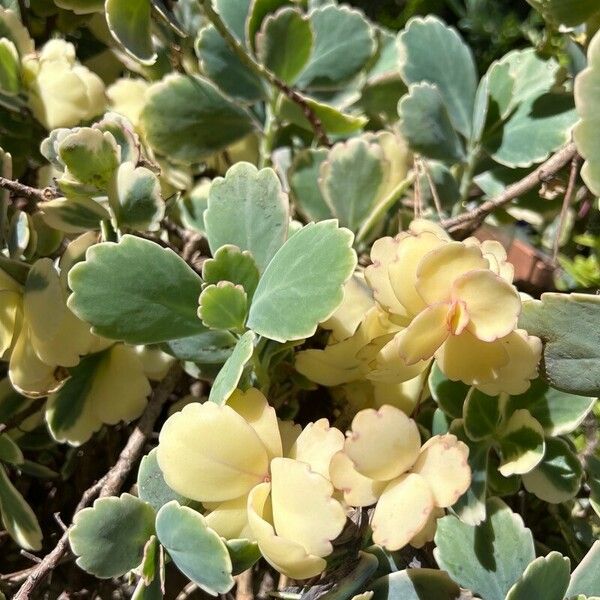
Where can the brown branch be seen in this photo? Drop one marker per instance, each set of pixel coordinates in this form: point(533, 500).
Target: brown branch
point(263, 72)
point(20, 189)
point(111, 483)
point(467, 222)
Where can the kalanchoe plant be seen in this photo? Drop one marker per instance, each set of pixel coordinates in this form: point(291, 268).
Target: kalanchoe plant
point(278, 301)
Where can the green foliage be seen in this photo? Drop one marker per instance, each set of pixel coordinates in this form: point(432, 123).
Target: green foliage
point(197, 551)
point(109, 538)
point(137, 304)
point(567, 324)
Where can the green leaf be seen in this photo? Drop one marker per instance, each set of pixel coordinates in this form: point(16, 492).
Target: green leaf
point(585, 132)
point(73, 215)
point(213, 347)
point(130, 24)
point(244, 554)
point(351, 179)
point(333, 120)
point(425, 123)
point(584, 579)
point(489, 558)
point(136, 291)
point(229, 376)
point(558, 413)
point(450, 395)
point(432, 52)
point(197, 551)
point(343, 43)
point(225, 69)
point(284, 44)
point(302, 286)
point(481, 414)
point(569, 326)
point(186, 118)
point(231, 264)
point(81, 7)
point(91, 156)
point(415, 584)
point(10, 68)
point(303, 178)
point(537, 128)
point(109, 537)
point(522, 444)
point(10, 451)
point(136, 199)
point(234, 14)
point(17, 517)
point(471, 507)
point(124, 133)
point(248, 208)
point(223, 306)
point(258, 11)
point(546, 577)
point(557, 478)
point(361, 572)
point(151, 484)
point(593, 480)
point(566, 12)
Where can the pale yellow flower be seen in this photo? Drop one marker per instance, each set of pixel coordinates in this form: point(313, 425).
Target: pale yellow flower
point(62, 92)
point(383, 463)
point(457, 304)
point(259, 478)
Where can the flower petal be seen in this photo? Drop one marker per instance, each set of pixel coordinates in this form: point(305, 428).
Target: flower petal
point(334, 365)
point(428, 532)
point(289, 432)
point(254, 408)
point(404, 271)
point(496, 255)
point(465, 358)
point(304, 510)
point(358, 490)
point(514, 378)
point(209, 453)
point(493, 305)
point(426, 333)
point(420, 225)
point(402, 511)
point(405, 395)
point(287, 556)
point(441, 267)
point(383, 443)
point(230, 518)
point(315, 446)
point(443, 464)
point(28, 374)
point(389, 367)
point(9, 311)
point(383, 253)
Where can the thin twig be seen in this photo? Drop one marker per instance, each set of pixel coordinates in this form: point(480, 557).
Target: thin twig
point(111, 483)
point(20, 189)
point(433, 188)
point(264, 73)
point(187, 591)
point(565, 205)
point(468, 222)
point(244, 589)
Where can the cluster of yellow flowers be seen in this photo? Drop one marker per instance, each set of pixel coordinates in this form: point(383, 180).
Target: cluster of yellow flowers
point(290, 489)
point(427, 298)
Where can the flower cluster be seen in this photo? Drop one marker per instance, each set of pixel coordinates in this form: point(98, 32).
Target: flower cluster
point(383, 462)
point(260, 478)
point(432, 298)
point(266, 480)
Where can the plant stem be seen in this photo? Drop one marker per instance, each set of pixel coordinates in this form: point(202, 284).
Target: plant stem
point(263, 72)
point(468, 222)
point(467, 176)
point(380, 210)
point(21, 189)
